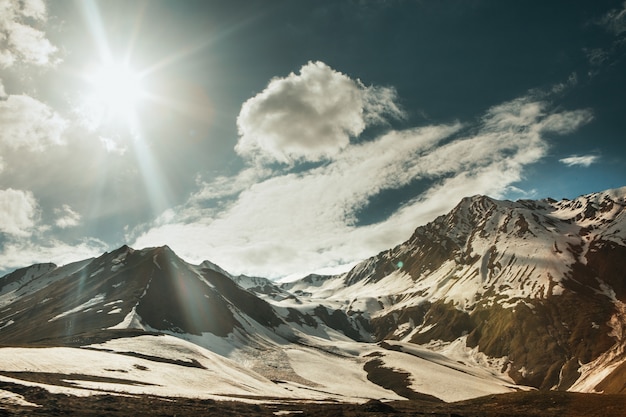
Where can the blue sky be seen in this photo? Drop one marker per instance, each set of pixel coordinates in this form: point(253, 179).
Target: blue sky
point(278, 138)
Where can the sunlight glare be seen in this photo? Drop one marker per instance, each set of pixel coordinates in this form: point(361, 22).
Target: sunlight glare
point(116, 89)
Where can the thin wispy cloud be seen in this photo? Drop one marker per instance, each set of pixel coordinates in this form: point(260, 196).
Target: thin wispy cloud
point(582, 160)
point(615, 20)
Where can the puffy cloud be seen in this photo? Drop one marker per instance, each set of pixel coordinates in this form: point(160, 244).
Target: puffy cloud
point(19, 41)
point(34, 8)
point(67, 217)
point(18, 212)
point(29, 123)
point(287, 223)
point(310, 116)
point(583, 161)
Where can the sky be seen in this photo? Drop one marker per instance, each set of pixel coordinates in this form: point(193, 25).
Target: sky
point(279, 138)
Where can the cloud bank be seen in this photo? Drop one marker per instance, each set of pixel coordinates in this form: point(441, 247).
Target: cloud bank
point(280, 222)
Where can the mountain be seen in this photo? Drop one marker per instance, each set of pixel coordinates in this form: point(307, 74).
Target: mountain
point(539, 284)
point(495, 296)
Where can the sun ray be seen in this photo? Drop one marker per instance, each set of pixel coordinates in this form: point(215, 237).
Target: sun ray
point(113, 100)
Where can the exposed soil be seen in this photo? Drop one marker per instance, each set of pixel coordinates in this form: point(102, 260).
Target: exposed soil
point(545, 404)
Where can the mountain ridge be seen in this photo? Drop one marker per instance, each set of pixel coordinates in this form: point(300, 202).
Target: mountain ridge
point(526, 293)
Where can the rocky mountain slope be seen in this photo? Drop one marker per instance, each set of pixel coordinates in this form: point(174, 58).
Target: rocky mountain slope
point(540, 284)
point(487, 298)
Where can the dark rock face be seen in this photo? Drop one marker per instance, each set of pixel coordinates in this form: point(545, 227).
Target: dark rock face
point(176, 299)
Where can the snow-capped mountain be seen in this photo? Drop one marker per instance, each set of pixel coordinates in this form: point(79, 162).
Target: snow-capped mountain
point(540, 284)
point(490, 297)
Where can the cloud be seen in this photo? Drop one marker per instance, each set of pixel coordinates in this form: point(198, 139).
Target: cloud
point(19, 40)
point(310, 116)
point(284, 222)
point(22, 252)
point(29, 123)
point(18, 212)
point(615, 20)
point(583, 161)
point(67, 217)
point(112, 145)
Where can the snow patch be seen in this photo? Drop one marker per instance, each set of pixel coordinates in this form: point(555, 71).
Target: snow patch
point(7, 324)
point(8, 397)
point(131, 321)
point(84, 306)
point(97, 272)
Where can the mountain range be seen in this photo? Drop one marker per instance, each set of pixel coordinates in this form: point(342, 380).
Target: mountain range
point(493, 297)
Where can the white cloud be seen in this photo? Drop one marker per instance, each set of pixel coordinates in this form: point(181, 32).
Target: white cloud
point(583, 161)
point(18, 212)
point(29, 123)
point(19, 40)
point(67, 217)
point(310, 116)
point(286, 223)
point(34, 8)
point(112, 145)
point(22, 252)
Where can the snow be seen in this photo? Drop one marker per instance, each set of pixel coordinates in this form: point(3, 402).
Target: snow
point(131, 321)
point(93, 274)
point(337, 375)
point(155, 262)
point(84, 306)
point(436, 375)
point(221, 377)
point(36, 278)
point(7, 324)
point(8, 397)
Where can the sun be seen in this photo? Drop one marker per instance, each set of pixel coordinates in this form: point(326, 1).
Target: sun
point(117, 86)
point(115, 92)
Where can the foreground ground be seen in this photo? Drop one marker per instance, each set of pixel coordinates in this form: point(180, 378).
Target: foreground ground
point(545, 404)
